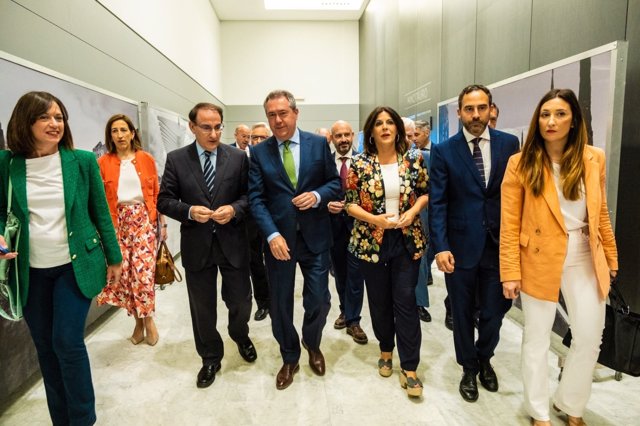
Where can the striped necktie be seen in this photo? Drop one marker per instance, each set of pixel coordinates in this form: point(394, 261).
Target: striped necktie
point(289, 165)
point(209, 172)
point(477, 158)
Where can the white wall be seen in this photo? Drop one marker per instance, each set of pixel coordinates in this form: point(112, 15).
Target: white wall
point(315, 60)
point(187, 32)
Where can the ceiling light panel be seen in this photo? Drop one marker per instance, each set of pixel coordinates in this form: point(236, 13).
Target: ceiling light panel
point(313, 4)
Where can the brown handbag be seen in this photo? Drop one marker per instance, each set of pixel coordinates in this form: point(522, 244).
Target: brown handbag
point(166, 271)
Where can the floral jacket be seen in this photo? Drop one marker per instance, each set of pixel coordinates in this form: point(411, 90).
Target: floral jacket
point(365, 188)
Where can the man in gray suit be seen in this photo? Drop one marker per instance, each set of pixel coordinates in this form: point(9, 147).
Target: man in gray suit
point(204, 187)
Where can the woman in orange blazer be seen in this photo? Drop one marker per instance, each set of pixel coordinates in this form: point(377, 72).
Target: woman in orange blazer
point(556, 236)
point(131, 185)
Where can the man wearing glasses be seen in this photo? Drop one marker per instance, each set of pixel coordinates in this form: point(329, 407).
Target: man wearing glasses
point(204, 187)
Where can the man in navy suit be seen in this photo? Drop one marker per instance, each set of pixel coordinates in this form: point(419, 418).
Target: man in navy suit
point(464, 219)
point(291, 179)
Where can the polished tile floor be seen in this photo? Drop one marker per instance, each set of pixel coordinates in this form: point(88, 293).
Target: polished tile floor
point(143, 385)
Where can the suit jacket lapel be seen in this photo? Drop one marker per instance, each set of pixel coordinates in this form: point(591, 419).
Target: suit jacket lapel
point(18, 176)
point(462, 148)
point(496, 157)
point(550, 195)
point(592, 189)
point(194, 164)
point(221, 168)
point(305, 154)
point(70, 171)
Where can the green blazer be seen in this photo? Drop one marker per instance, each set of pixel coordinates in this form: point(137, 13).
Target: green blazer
point(91, 237)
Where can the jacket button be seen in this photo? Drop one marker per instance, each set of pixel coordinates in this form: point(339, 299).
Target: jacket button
point(95, 241)
point(70, 233)
point(537, 250)
point(537, 231)
point(73, 257)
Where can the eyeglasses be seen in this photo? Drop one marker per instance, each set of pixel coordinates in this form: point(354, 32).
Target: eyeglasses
point(205, 128)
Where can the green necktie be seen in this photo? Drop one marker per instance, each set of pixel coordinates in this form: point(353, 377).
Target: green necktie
point(289, 165)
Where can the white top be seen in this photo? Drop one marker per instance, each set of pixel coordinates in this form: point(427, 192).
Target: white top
point(573, 212)
point(129, 186)
point(391, 181)
point(48, 244)
point(485, 149)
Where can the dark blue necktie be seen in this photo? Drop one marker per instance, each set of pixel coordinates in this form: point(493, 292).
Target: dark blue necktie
point(209, 172)
point(477, 158)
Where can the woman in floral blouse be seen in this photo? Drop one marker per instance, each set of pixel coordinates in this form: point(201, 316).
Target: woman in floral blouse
point(387, 188)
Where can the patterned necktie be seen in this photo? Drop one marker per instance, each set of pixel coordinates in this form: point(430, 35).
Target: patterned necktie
point(343, 172)
point(209, 172)
point(289, 165)
point(477, 158)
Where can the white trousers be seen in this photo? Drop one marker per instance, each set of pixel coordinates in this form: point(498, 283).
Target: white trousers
point(586, 317)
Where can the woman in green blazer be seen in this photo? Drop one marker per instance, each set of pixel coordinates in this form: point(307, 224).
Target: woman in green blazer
point(68, 248)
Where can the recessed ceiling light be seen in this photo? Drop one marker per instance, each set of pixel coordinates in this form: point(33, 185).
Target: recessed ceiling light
point(313, 4)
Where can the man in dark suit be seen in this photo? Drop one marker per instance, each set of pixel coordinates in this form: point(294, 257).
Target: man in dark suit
point(464, 219)
point(204, 187)
point(291, 180)
point(349, 280)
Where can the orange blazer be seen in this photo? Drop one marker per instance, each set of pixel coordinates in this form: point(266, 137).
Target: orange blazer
point(146, 167)
point(533, 237)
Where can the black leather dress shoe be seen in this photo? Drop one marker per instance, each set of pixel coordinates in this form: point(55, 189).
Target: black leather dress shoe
point(488, 377)
point(469, 387)
point(424, 314)
point(247, 351)
point(261, 314)
point(448, 320)
point(207, 375)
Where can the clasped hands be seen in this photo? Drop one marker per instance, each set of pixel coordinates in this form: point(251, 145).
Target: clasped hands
point(221, 215)
point(385, 220)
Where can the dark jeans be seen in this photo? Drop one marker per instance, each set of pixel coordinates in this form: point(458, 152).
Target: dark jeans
point(391, 286)
point(55, 313)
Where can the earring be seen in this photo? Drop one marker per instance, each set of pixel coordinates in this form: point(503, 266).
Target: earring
point(397, 137)
point(371, 140)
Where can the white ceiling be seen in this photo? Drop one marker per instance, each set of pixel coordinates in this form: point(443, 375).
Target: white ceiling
point(253, 10)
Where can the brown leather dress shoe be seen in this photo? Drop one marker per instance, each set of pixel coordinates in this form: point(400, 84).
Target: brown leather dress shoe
point(285, 375)
point(340, 323)
point(316, 360)
point(358, 334)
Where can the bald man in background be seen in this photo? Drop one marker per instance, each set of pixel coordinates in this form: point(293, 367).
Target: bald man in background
point(349, 281)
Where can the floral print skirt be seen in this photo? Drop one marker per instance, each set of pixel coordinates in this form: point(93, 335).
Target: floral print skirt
point(135, 292)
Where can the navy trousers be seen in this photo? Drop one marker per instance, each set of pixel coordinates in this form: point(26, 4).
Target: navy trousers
point(463, 286)
point(391, 291)
point(316, 298)
point(55, 313)
point(349, 280)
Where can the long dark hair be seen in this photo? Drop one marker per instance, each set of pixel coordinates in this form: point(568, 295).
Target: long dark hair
point(535, 159)
point(370, 145)
point(27, 110)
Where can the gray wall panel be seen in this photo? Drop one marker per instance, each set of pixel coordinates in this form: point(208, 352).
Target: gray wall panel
point(503, 26)
point(458, 46)
point(563, 28)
